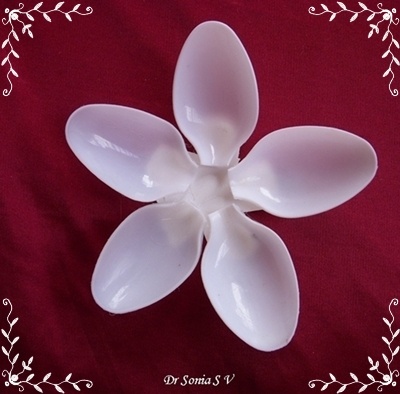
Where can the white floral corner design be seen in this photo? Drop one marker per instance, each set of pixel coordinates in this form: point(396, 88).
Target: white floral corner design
point(19, 379)
point(24, 19)
point(385, 374)
point(378, 16)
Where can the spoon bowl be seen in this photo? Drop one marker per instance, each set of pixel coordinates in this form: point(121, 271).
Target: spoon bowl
point(148, 256)
point(215, 95)
point(249, 277)
point(303, 171)
point(137, 154)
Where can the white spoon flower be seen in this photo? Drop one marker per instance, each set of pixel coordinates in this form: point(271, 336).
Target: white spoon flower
point(246, 269)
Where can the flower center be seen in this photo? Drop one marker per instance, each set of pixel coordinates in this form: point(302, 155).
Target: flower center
point(209, 190)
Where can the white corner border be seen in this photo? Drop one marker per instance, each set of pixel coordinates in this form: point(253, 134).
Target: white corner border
point(14, 378)
point(385, 15)
point(15, 16)
point(386, 378)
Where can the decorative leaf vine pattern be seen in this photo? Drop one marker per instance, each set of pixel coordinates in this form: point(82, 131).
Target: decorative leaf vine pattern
point(386, 378)
point(25, 18)
point(382, 15)
point(14, 378)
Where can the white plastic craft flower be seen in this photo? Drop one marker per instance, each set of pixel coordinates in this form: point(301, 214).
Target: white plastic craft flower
point(294, 172)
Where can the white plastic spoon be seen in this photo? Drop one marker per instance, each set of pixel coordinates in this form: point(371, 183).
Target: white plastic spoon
point(250, 279)
point(215, 95)
point(140, 155)
point(302, 171)
point(148, 256)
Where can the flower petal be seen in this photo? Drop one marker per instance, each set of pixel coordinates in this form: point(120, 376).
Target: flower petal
point(215, 94)
point(137, 154)
point(250, 279)
point(302, 171)
point(150, 254)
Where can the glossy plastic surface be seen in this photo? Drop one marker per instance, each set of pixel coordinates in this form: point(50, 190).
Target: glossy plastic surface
point(250, 279)
point(148, 256)
point(139, 155)
point(215, 95)
point(302, 171)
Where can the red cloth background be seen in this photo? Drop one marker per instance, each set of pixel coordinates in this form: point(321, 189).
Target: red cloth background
point(56, 216)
